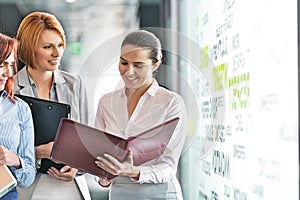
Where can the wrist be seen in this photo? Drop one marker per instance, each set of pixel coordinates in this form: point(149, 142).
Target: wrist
point(104, 182)
point(79, 173)
point(135, 173)
point(43, 151)
point(17, 162)
point(40, 152)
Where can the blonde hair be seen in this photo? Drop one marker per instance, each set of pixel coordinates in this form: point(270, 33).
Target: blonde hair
point(29, 32)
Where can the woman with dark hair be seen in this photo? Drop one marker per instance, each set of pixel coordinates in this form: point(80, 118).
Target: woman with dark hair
point(140, 105)
point(16, 125)
point(42, 43)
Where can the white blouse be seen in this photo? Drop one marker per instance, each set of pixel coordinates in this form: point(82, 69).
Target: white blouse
point(156, 106)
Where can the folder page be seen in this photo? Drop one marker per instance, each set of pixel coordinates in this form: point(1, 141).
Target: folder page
point(78, 145)
point(151, 143)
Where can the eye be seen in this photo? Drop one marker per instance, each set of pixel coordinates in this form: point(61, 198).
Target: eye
point(61, 45)
point(47, 47)
point(124, 63)
point(139, 66)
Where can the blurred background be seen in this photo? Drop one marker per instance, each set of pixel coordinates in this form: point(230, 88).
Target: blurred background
point(87, 23)
point(235, 66)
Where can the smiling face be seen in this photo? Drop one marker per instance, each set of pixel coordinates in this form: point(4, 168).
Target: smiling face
point(49, 50)
point(136, 68)
point(6, 70)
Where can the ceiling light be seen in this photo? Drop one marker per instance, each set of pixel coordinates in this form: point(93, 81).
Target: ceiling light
point(70, 1)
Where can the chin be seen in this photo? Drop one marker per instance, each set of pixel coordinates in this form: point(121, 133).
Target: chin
point(53, 68)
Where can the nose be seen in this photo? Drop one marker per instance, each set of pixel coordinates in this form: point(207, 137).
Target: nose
point(8, 71)
point(56, 52)
point(130, 69)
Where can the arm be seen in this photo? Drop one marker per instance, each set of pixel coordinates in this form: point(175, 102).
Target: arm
point(99, 122)
point(83, 103)
point(164, 168)
point(9, 158)
point(75, 90)
point(26, 172)
point(66, 173)
point(158, 170)
point(113, 166)
point(43, 150)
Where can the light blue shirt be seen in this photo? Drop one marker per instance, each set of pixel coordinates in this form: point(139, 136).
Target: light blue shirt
point(17, 135)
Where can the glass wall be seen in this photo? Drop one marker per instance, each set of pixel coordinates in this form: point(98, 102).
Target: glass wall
point(245, 144)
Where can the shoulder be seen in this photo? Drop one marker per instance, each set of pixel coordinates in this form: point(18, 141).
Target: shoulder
point(21, 105)
point(21, 79)
point(66, 74)
point(22, 72)
point(163, 92)
point(23, 113)
point(67, 77)
point(111, 95)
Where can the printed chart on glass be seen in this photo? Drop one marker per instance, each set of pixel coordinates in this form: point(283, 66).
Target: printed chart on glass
point(246, 144)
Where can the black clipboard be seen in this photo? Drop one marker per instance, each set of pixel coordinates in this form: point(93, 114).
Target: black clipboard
point(46, 118)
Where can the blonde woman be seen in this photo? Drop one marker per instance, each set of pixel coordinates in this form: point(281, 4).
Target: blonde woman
point(42, 44)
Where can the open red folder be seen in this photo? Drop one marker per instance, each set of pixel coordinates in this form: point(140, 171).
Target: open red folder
point(78, 145)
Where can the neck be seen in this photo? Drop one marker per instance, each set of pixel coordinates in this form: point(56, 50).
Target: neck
point(41, 78)
point(137, 91)
point(133, 96)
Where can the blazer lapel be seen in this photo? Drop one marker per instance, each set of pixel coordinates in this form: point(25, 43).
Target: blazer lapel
point(23, 83)
point(61, 88)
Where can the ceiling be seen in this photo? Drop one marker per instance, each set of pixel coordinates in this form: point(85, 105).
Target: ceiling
point(78, 16)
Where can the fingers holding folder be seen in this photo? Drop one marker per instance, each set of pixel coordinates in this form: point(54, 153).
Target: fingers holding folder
point(117, 168)
point(79, 146)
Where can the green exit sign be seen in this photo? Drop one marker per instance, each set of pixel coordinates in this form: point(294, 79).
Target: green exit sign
point(74, 47)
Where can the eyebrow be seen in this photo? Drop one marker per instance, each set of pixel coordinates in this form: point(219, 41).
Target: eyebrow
point(5, 62)
point(51, 43)
point(133, 62)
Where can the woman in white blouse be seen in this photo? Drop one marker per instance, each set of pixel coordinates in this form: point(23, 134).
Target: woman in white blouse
point(140, 105)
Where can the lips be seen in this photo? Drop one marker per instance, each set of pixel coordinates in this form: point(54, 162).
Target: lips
point(54, 62)
point(3, 80)
point(131, 78)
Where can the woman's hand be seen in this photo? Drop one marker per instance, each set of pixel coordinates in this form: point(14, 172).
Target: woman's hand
point(114, 167)
point(43, 150)
point(66, 173)
point(104, 182)
point(9, 158)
